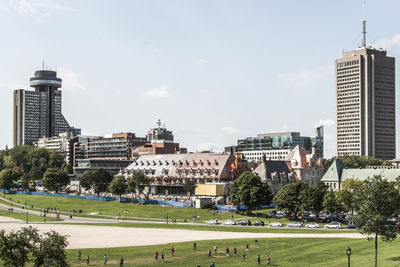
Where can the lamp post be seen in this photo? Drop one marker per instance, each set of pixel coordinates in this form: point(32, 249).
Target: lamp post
point(348, 252)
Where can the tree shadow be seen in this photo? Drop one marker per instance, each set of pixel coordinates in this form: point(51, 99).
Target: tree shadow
point(394, 258)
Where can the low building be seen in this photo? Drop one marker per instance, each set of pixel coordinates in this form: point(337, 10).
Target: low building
point(338, 173)
point(63, 143)
point(299, 165)
point(170, 171)
point(276, 146)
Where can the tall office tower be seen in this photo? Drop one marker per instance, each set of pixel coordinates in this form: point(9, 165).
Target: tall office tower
point(38, 113)
point(365, 103)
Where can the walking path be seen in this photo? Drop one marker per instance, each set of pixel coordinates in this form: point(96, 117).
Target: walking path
point(89, 236)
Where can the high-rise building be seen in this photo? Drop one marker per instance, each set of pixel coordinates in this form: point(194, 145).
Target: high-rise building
point(37, 113)
point(365, 103)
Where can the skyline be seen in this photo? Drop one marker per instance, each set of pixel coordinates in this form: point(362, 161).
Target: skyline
point(196, 78)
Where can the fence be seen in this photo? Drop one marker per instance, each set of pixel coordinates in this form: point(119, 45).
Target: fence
point(235, 208)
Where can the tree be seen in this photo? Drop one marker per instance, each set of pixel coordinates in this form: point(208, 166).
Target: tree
point(250, 191)
point(379, 201)
point(56, 160)
point(97, 180)
point(311, 198)
point(51, 251)
point(139, 183)
point(189, 186)
point(9, 176)
point(330, 202)
point(54, 179)
point(347, 194)
point(27, 245)
point(118, 186)
point(288, 198)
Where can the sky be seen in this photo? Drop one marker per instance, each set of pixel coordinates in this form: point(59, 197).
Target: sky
point(212, 71)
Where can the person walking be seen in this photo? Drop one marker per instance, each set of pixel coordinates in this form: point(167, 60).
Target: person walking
point(247, 246)
point(244, 256)
point(87, 260)
point(268, 260)
point(172, 251)
point(227, 251)
point(79, 255)
point(162, 256)
point(105, 259)
point(209, 253)
point(215, 249)
point(212, 264)
point(258, 259)
point(121, 262)
point(156, 255)
point(194, 245)
point(234, 252)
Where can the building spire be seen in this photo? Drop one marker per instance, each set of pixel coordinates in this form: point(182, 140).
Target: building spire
point(364, 27)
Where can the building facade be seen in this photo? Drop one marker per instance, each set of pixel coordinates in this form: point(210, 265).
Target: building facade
point(276, 146)
point(365, 104)
point(338, 173)
point(170, 171)
point(63, 143)
point(38, 113)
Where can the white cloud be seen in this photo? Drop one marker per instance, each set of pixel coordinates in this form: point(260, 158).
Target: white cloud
point(201, 61)
point(208, 147)
point(70, 80)
point(35, 8)
point(387, 43)
point(303, 78)
point(327, 122)
point(229, 130)
point(161, 92)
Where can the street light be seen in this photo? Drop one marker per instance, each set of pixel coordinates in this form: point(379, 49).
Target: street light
point(348, 252)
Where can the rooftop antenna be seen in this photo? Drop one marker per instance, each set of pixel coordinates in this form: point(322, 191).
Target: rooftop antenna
point(43, 64)
point(364, 27)
point(159, 123)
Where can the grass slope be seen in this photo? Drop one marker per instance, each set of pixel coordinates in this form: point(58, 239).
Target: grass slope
point(284, 252)
point(22, 216)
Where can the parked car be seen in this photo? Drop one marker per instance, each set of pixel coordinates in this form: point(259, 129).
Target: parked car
point(334, 225)
point(352, 226)
point(259, 223)
point(212, 222)
point(295, 224)
point(313, 225)
point(229, 222)
point(276, 224)
point(245, 222)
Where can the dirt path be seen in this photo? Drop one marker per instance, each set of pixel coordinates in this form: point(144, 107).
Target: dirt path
point(87, 236)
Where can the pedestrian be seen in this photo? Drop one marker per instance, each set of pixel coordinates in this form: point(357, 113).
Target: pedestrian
point(172, 251)
point(247, 246)
point(121, 262)
point(234, 252)
point(244, 256)
point(212, 264)
point(87, 260)
point(194, 245)
point(268, 260)
point(258, 259)
point(209, 253)
point(156, 255)
point(162, 256)
point(105, 259)
point(227, 251)
point(70, 216)
point(79, 255)
point(215, 249)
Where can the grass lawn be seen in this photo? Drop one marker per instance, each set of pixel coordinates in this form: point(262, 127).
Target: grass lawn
point(112, 208)
point(285, 252)
point(223, 228)
point(22, 216)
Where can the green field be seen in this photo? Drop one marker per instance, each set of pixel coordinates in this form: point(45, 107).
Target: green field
point(285, 252)
point(113, 208)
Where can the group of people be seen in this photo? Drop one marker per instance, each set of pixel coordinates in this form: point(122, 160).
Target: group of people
point(156, 255)
point(121, 262)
